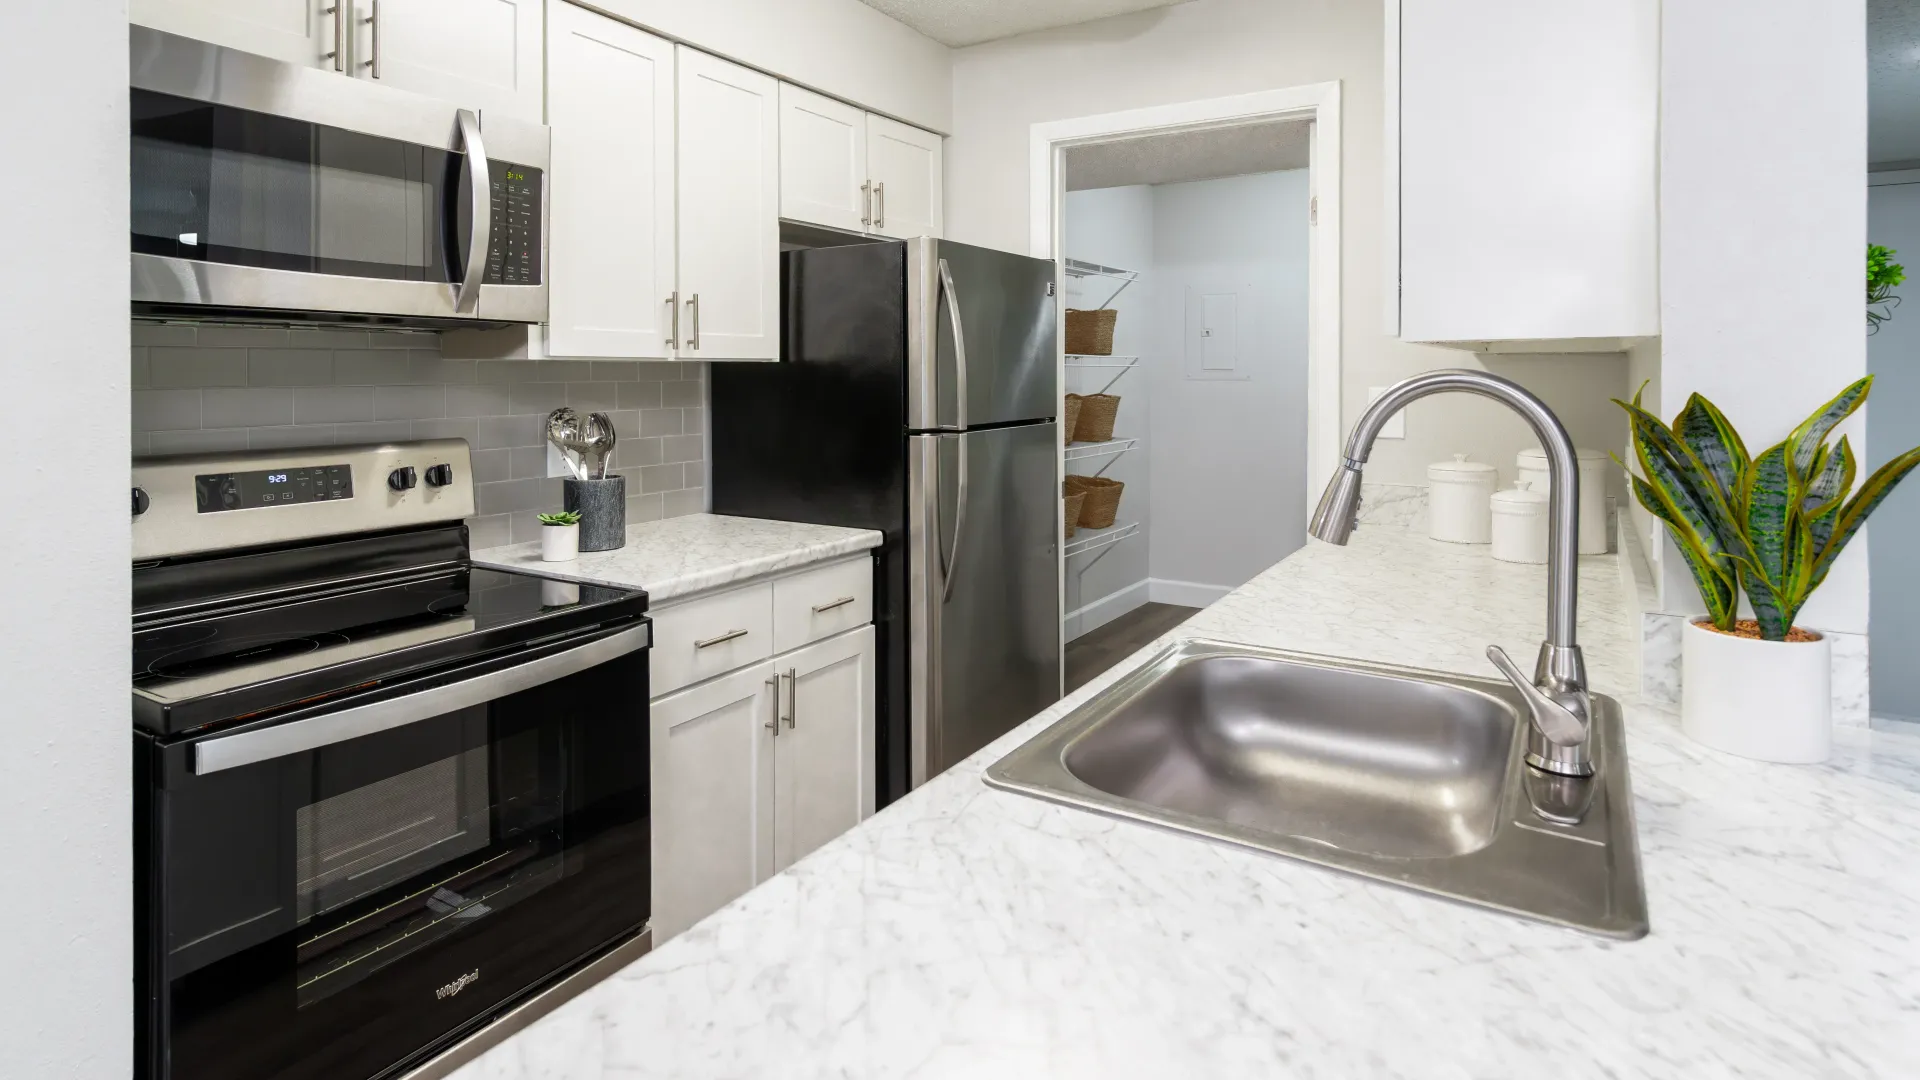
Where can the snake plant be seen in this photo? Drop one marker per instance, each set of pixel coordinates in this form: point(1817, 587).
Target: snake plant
point(1769, 526)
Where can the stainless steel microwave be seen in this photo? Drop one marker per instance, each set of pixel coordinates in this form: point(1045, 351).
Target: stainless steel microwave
point(268, 191)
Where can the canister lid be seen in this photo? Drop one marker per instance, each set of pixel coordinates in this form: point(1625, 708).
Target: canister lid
point(1520, 499)
point(1459, 469)
point(1535, 460)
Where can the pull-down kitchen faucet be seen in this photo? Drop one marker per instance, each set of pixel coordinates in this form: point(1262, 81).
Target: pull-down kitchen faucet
point(1556, 698)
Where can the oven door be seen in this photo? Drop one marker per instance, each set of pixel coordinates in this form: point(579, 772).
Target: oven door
point(345, 890)
point(262, 189)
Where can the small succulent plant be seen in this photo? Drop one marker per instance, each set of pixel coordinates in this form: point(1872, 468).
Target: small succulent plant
point(1770, 526)
point(564, 517)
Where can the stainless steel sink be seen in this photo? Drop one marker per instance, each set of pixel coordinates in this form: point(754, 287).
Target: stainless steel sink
point(1411, 777)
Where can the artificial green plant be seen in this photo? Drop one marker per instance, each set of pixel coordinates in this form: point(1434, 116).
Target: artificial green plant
point(1770, 526)
point(564, 517)
point(1883, 274)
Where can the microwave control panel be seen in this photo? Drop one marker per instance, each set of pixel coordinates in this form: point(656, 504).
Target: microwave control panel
point(513, 253)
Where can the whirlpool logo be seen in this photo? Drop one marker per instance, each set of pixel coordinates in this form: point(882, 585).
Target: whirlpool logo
point(457, 985)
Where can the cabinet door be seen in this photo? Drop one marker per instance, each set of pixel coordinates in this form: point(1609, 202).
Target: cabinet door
point(296, 31)
point(712, 748)
point(477, 54)
point(904, 164)
point(610, 250)
point(823, 160)
point(729, 193)
point(823, 757)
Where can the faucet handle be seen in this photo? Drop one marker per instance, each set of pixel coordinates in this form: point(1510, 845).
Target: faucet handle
point(1557, 723)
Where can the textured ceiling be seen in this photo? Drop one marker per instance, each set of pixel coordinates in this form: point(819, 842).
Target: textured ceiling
point(969, 22)
point(1189, 155)
point(1893, 80)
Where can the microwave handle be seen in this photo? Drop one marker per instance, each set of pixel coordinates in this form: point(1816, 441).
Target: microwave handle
point(481, 213)
point(299, 736)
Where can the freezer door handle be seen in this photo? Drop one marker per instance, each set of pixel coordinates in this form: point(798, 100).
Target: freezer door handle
point(951, 297)
point(951, 563)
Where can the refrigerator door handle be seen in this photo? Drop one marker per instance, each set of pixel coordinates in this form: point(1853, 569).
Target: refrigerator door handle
point(951, 563)
point(952, 300)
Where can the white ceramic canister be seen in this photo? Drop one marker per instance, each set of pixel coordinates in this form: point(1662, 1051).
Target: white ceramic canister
point(1458, 500)
point(1593, 491)
point(1520, 524)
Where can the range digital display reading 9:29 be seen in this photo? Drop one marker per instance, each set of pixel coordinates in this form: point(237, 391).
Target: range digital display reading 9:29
point(214, 492)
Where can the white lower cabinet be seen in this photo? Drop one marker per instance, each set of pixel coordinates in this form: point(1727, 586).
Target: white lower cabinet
point(753, 769)
point(823, 757)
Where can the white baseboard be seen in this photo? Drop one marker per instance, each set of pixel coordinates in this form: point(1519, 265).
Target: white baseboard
point(1089, 617)
point(1184, 593)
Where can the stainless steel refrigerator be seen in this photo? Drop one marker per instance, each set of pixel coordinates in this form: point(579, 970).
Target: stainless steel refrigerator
point(916, 394)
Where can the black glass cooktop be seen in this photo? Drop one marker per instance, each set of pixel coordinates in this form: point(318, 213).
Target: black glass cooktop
point(250, 660)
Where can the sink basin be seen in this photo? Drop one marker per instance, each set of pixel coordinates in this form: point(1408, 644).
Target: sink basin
point(1411, 777)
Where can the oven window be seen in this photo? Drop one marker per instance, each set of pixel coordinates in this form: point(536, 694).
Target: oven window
point(220, 184)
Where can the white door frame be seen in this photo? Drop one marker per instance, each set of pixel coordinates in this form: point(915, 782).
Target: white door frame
point(1316, 102)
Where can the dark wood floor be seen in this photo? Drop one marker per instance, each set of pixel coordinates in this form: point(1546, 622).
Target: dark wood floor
point(1092, 653)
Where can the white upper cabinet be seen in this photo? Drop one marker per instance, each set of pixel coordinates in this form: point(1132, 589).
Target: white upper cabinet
point(478, 54)
point(823, 160)
point(904, 165)
point(729, 210)
point(610, 102)
point(1525, 136)
point(296, 31)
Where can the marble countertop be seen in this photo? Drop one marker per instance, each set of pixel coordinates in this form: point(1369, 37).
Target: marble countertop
point(680, 556)
point(969, 932)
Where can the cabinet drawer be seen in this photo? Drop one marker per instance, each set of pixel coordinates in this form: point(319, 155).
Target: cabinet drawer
point(821, 603)
point(703, 638)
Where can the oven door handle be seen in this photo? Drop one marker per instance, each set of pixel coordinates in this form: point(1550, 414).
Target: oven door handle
point(480, 209)
point(265, 744)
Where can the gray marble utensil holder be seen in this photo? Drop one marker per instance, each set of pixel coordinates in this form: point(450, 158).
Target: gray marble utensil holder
point(603, 511)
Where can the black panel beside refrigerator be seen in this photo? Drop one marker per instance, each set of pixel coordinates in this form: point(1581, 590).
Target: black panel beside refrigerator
point(869, 377)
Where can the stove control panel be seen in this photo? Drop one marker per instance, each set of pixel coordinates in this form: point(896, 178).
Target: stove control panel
point(199, 503)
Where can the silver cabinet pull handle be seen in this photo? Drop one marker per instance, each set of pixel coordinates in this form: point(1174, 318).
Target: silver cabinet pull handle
point(830, 605)
point(339, 54)
point(880, 205)
point(866, 203)
point(373, 20)
point(728, 636)
point(774, 724)
point(788, 677)
point(693, 306)
point(479, 179)
point(673, 309)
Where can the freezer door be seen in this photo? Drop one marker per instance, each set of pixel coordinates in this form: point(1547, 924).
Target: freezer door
point(982, 334)
point(984, 588)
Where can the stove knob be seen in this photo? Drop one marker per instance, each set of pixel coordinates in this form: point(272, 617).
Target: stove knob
point(402, 478)
point(140, 501)
point(439, 475)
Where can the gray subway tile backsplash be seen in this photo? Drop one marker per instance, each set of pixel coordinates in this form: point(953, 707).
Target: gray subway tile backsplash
point(223, 388)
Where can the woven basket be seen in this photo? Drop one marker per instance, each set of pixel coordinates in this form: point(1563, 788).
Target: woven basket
point(1074, 503)
point(1103, 499)
point(1070, 416)
point(1095, 423)
point(1090, 333)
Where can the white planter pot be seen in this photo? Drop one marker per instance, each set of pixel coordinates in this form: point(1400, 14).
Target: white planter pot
point(559, 543)
point(1770, 700)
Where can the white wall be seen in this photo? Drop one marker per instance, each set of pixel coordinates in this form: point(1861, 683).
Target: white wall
point(65, 809)
point(1114, 227)
point(1229, 454)
point(838, 47)
point(1893, 355)
point(1205, 49)
point(1763, 224)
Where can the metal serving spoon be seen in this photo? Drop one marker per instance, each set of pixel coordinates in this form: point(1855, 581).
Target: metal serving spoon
point(599, 439)
point(567, 431)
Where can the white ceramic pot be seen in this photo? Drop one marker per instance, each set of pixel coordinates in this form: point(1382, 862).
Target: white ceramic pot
point(559, 543)
point(1770, 700)
point(1520, 525)
point(1592, 466)
point(1458, 494)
